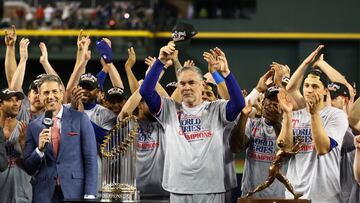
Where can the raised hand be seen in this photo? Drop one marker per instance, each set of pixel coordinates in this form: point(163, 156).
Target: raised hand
point(244, 93)
point(24, 44)
point(280, 71)
point(85, 54)
point(10, 36)
point(223, 66)
point(189, 63)
point(262, 86)
point(209, 78)
point(313, 103)
point(22, 131)
point(83, 40)
point(166, 52)
point(247, 109)
point(7, 130)
point(320, 59)
point(76, 96)
point(107, 40)
point(131, 58)
point(312, 56)
point(44, 53)
point(212, 61)
point(169, 62)
point(149, 61)
point(259, 104)
point(357, 142)
point(285, 101)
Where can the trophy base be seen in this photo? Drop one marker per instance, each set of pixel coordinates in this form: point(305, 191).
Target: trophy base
point(128, 196)
point(270, 200)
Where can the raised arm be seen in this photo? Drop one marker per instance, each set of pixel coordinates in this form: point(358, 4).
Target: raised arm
point(281, 74)
point(286, 134)
point(238, 139)
point(79, 68)
point(18, 79)
point(296, 79)
point(211, 58)
point(357, 159)
point(81, 41)
point(130, 105)
point(354, 116)
point(147, 89)
point(104, 47)
point(236, 102)
point(10, 59)
point(319, 136)
point(260, 87)
point(332, 73)
point(133, 82)
point(176, 62)
point(45, 61)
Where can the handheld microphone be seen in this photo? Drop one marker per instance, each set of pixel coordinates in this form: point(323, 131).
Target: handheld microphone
point(47, 121)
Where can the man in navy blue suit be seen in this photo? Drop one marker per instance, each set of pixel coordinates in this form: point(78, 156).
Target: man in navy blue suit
point(62, 158)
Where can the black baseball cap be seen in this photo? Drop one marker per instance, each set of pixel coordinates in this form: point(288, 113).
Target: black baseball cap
point(181, 34)
point(272, 90)
point(88, 79)
point(170, 87)
point(338, 89)
point(34, 83)
point(115, 92)
point(6, 94)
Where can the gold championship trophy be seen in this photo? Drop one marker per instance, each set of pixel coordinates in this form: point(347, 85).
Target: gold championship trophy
point(118, 163)
point(275, 173)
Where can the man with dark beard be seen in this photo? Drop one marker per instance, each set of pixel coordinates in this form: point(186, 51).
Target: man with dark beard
point(102, 119)
point(14, 182)
point(115, 99)
point(258, 137)
point(86, 93)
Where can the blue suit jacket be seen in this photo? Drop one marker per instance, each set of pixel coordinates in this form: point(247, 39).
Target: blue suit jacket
point(76, 164)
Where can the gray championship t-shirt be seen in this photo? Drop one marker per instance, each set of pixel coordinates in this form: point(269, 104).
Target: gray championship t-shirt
point(259, 155)
point(14, 181)
point(104, 118)
point(101, 116)
point(318, 177)
point(150, 159)
point(347, 179)
point(194, 154)
point(229, 161)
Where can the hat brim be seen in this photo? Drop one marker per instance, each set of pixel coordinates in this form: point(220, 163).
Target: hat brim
point(115, 96)
point(334, 94)
point(93, 85)
point(19, 95)
point(183, 44)
point(170, 89)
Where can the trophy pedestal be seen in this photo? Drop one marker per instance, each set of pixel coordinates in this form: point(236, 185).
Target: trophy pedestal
point(269, 200)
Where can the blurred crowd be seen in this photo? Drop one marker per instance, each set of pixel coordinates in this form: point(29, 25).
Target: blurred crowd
point(133, 15)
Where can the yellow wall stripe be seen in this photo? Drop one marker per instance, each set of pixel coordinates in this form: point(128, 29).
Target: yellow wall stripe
point(200, 35)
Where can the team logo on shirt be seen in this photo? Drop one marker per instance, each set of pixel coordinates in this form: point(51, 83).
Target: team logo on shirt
point(145, 139)
point(305, 133)
point(192, 130)
point(262, 146)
